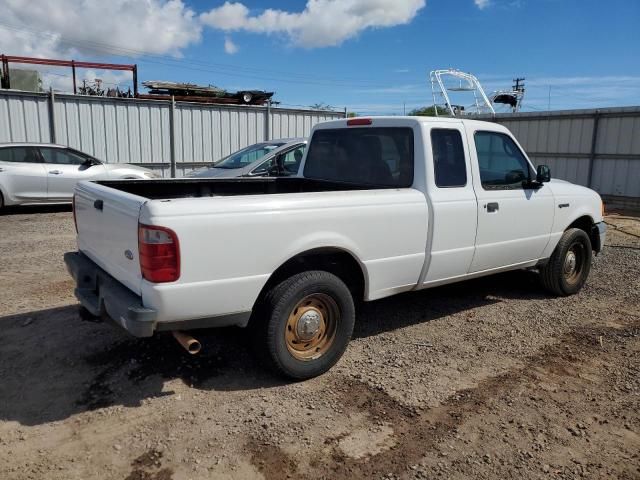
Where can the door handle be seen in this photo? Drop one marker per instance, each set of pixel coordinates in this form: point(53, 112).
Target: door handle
point(492, 207)
point(1, 169)
point(55, 172)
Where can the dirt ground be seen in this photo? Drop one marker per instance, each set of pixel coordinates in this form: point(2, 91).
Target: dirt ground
point(490, 378)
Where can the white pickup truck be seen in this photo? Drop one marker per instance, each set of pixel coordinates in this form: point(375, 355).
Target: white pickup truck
point(382, 206)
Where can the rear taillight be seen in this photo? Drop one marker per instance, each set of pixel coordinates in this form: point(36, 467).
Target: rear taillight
point(159, 254)
point(73, 208)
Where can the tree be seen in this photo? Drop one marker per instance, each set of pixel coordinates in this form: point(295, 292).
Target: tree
point(321, 106)
point(352, 114)
point(428, 111)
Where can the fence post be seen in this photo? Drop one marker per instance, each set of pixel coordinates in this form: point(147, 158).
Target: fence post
point(73, 74)
point(267, 122)
point(594, 147)
point(172, 140)
point(52, 116)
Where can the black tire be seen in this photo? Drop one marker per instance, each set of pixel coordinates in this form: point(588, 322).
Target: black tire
point(1, 202)
point(568, 268)
point(307, 293)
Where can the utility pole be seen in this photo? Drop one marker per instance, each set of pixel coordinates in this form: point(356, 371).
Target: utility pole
point(518, 92)
point(549, 105)
point(404, 108)
point(518, 84)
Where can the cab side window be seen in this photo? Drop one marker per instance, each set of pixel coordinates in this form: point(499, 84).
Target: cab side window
point(19, 155)
point(61, 157)
point(502, 165)
point(449, 164)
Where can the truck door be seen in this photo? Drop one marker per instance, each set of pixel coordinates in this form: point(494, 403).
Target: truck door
point(453, 203)
point(514, 220)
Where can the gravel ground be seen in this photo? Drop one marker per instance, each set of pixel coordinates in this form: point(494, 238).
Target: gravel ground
point(490, 378)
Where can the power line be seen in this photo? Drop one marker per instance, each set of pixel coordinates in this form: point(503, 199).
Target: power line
point(221, 69)
point(533, 108)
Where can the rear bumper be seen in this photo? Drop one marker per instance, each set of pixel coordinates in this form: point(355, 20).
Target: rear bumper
point(101, 294)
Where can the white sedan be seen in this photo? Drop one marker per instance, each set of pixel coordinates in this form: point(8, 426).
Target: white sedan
point(34, 173)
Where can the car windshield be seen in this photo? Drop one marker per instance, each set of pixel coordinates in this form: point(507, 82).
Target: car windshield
point(247, 155)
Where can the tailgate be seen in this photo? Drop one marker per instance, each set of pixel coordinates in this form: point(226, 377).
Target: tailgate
point(107, 221)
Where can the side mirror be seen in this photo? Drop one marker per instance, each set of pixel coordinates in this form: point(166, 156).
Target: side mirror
point(543, 174)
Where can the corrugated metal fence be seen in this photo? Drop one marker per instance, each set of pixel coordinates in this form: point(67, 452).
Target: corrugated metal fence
point(596, 148)
point(141, 131)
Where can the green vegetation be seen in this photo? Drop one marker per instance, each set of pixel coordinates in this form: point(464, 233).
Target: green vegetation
point(428, 111)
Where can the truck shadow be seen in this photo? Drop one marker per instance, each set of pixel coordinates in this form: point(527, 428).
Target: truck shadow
point(410, 308)
point(33, 209)
point(55, 365)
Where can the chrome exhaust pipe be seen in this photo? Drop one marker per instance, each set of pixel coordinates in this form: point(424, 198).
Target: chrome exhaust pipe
point(187, 342)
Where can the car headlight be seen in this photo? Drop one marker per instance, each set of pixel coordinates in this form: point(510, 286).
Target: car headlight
point(152, 175)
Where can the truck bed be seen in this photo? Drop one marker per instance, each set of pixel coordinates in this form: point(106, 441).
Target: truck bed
point(205, 187)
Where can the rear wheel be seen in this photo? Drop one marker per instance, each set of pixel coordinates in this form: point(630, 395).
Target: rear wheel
point(569, 266)
point(1, 202)
point(305, 324)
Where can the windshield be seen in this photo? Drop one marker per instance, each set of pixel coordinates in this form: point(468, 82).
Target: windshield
point(247, 155)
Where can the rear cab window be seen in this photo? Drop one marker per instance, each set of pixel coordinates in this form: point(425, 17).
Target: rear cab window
point(375, 156)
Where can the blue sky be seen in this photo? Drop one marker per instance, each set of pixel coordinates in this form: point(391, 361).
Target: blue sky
point(372, 57)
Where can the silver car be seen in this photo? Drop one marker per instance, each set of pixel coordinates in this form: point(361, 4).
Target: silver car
point(34, 173)
point(278, 158)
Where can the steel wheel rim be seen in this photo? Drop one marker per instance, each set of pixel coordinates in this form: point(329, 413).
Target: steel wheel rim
point(311, 327)
point(573, 263)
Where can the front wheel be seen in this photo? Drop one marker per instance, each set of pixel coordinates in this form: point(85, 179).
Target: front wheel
point(569, 265)
point(307, 321)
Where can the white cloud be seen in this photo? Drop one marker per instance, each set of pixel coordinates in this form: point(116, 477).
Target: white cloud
point(230, 47)
point(322, 23)
point(482, 4)
point(66, 27)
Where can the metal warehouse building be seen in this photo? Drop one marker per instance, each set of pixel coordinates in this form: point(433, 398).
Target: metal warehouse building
point(596, 148)
point(150, 133)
